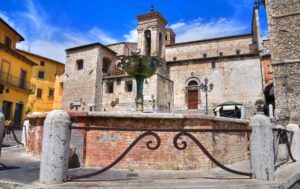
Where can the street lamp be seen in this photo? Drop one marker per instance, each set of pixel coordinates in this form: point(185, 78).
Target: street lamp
point(207, 88)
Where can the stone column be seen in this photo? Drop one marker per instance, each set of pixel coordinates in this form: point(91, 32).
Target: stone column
point(243, 112)
point(25, 132)
point(261, 148)
point(271, 114)
point(295, 145)
point(55, 148)
point(2, 129)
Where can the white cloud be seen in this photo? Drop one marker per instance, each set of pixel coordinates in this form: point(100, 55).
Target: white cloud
point(177, 25)
point(198, 29)
point(102, 36)
point(47, 39)
point(51, 40)
point(132, 36)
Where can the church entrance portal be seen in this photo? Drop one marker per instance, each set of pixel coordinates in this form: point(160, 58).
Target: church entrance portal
point(193, 99)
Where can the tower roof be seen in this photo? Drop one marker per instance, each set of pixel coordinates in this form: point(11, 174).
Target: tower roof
point(152, 15)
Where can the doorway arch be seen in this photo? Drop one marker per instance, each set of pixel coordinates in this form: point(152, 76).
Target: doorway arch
point(192, 94)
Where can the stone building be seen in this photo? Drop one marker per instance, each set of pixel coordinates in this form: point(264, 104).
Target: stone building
point(284, 30)
point(238, 66)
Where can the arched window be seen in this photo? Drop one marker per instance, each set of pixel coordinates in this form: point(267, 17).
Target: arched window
point(192, 83)
point(106, 65)
point(160, 44)
point(147, 42)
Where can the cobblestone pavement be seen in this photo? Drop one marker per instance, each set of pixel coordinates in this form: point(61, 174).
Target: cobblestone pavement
point(26, 176)
point(9, 140)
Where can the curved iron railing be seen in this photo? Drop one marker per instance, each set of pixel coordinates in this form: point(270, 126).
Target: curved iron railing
point(10, 130)
point(178, 145)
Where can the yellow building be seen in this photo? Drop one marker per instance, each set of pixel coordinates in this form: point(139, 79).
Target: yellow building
point(15, 74)
point(48, 84)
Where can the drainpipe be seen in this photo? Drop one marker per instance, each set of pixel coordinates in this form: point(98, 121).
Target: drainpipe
point(101, 95)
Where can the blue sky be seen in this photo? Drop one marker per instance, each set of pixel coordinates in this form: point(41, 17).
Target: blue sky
point(50, 26)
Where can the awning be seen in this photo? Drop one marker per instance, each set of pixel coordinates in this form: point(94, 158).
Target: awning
point(227, 108)
point(217, 109)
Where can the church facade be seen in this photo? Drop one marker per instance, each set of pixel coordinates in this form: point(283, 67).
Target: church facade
point(237, 66)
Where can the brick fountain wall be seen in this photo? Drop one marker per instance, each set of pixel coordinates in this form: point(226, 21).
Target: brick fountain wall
point(100, 148)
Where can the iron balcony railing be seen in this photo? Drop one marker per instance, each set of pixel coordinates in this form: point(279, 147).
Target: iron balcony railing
point(17, 82)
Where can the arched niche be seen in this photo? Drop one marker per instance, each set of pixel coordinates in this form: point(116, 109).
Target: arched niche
point(147, 35)
point(106, 65)
point(160, 44)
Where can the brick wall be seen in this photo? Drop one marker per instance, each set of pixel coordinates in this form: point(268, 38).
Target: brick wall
point(100, 148)
point(35, 136)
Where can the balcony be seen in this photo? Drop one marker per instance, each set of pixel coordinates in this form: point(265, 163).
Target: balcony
point(16, 82)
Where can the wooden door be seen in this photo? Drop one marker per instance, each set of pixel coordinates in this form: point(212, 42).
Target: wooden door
point(18, 114)
point(193, 99)
point(23, 79)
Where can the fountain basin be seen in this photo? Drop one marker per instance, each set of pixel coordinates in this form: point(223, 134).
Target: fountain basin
point(98, 148)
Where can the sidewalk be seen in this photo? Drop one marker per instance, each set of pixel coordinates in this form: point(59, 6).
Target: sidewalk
point(27, 176)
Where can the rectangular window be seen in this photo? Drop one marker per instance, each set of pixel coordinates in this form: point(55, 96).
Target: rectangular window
point(118, 81)
point(7, 109)
point(204, 55)
point(23, 76)
point(213, 65)
point(79, 64)
point(42, 63)
point(51, 92)
point(39, 93)
point(221, 54)
point(41, 75)
point(109, 87)
point(7, 42)
point(128, 86)
point(238, 52)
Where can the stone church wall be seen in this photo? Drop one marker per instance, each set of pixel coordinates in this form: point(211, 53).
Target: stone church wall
point(212, 48)
point(123, 48)
point(236, 79)
point(120, 99)
point(157, 95)
point(81, 84)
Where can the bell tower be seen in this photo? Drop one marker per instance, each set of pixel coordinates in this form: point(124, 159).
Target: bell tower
point(152, 33)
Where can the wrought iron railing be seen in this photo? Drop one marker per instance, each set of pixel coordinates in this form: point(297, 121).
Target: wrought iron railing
point(178, 141)
point(282, 139)
point(17, 82)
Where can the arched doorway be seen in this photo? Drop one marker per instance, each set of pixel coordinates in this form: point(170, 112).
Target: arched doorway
point(193, 95)
point(270, 98)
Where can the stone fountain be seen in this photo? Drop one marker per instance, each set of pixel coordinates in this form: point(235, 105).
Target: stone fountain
point(140, 67)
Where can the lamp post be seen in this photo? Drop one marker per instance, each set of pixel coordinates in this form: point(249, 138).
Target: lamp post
point(207, 88)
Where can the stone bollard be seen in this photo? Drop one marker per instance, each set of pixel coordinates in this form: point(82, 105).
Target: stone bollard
point(55, 148)
point(295, 145)
point(2, 129)
point(261, 148)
